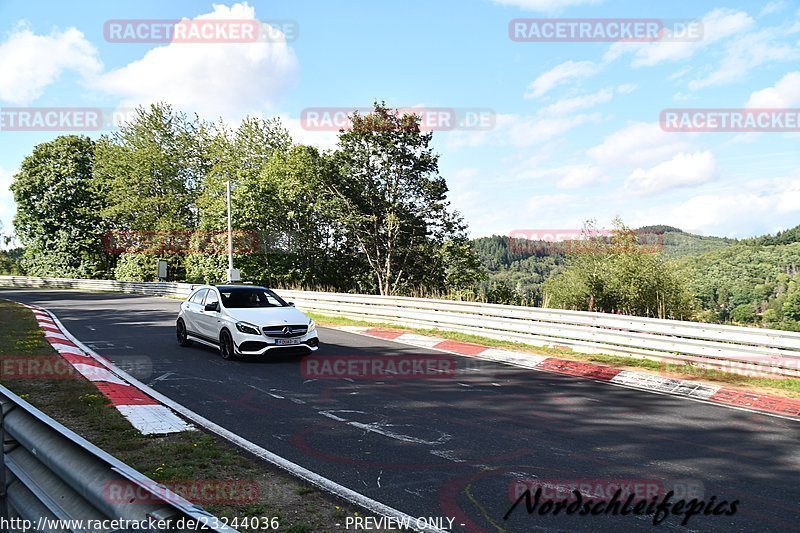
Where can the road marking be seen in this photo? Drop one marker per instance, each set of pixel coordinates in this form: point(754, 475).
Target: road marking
point(447, 454)
point(296, 470)
point(162, 377)
point(381, 429)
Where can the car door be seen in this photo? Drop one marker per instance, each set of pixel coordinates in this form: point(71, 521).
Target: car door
point(192, 310)
point(208, 321)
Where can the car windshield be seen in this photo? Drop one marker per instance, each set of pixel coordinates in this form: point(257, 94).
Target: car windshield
point(245, 298)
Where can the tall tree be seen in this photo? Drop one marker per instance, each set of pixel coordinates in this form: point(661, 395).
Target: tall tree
point(58, 210)
point(389, 196)
point(239, 156)
point(149, 171)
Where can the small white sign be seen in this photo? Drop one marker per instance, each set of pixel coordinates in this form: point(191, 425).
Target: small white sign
point(234, 274)
point(162, 269)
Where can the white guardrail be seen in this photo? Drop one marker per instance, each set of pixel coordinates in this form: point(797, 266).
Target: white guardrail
point(731, 348)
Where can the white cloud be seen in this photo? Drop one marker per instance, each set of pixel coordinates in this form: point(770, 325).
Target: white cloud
point(227, 79)
point(456, 139)
point(518, 130)
point(563, 73)
point(464, 175)
point(785, 93)
point(550, 204)
point(776, 6)
point(528, 131)
point(683, 170)
point(641, 143)
point(580, 176)
point(587, 101)
point(546, 6)
point(717, 25)
point(569, 104)
point(760, 208)
point(31, 62)
point(742, 55)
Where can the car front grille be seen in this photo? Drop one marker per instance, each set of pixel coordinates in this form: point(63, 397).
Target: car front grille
point(252, 346)
point(289, 330)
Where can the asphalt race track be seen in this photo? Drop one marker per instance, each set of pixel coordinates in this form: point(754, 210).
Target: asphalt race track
point(453, 446)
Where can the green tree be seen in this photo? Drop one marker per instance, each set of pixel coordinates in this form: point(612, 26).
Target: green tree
point(388, 195)
point(791, 305)
point(149, 172)
point(618, 276)
point(239, 156)
point(58, 210)
point(744, 314)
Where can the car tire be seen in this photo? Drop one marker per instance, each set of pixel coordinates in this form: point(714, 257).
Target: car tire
point(226, 346)
point(182, 334)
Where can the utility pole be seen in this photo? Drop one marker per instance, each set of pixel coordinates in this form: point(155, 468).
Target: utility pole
point(233, 274)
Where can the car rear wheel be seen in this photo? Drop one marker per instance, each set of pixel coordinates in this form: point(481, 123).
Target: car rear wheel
point(183, 337)
point(226, 346)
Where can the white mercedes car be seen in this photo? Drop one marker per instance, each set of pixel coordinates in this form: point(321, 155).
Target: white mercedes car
point(243, 320)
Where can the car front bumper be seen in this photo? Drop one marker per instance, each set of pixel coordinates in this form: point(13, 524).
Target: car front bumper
point(259, 346)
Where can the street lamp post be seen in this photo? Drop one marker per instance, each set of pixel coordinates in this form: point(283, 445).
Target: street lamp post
point(233, 274)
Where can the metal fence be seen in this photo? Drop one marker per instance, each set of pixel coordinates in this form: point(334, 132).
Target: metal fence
point(731, 348)
point(50, 474)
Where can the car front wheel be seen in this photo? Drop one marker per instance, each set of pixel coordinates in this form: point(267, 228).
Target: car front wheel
point(226, 346)
point(183, 337)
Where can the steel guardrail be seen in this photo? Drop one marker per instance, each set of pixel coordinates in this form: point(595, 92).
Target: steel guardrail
point(731, 348)
point(51, 475)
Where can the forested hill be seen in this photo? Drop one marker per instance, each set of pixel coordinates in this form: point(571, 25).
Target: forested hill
point(499, 253)
point(755, 280)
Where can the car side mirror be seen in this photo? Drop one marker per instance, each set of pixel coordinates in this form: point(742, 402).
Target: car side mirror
point(212, 307)
point(291, 304)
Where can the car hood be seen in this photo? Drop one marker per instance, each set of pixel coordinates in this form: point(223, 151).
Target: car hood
point(269, 316)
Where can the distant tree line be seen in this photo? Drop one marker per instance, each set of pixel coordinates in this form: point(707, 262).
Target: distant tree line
point(749, 282)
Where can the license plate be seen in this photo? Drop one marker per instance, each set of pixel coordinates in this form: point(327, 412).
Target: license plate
point(286, 342)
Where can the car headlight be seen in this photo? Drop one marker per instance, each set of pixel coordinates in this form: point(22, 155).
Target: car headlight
point(311, 325)
point(250, 329)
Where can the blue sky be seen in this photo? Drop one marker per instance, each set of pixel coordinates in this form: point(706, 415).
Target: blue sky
point(576, 132)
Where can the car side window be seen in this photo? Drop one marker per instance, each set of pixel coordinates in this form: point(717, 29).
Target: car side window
point(211, 297)
point(272, 301)
point(198, 296)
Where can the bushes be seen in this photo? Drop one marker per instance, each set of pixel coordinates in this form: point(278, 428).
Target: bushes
point(744, 314)
point(620, 277)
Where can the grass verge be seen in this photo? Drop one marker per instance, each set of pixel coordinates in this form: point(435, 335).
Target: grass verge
point(788, 387)
point(77, 404)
